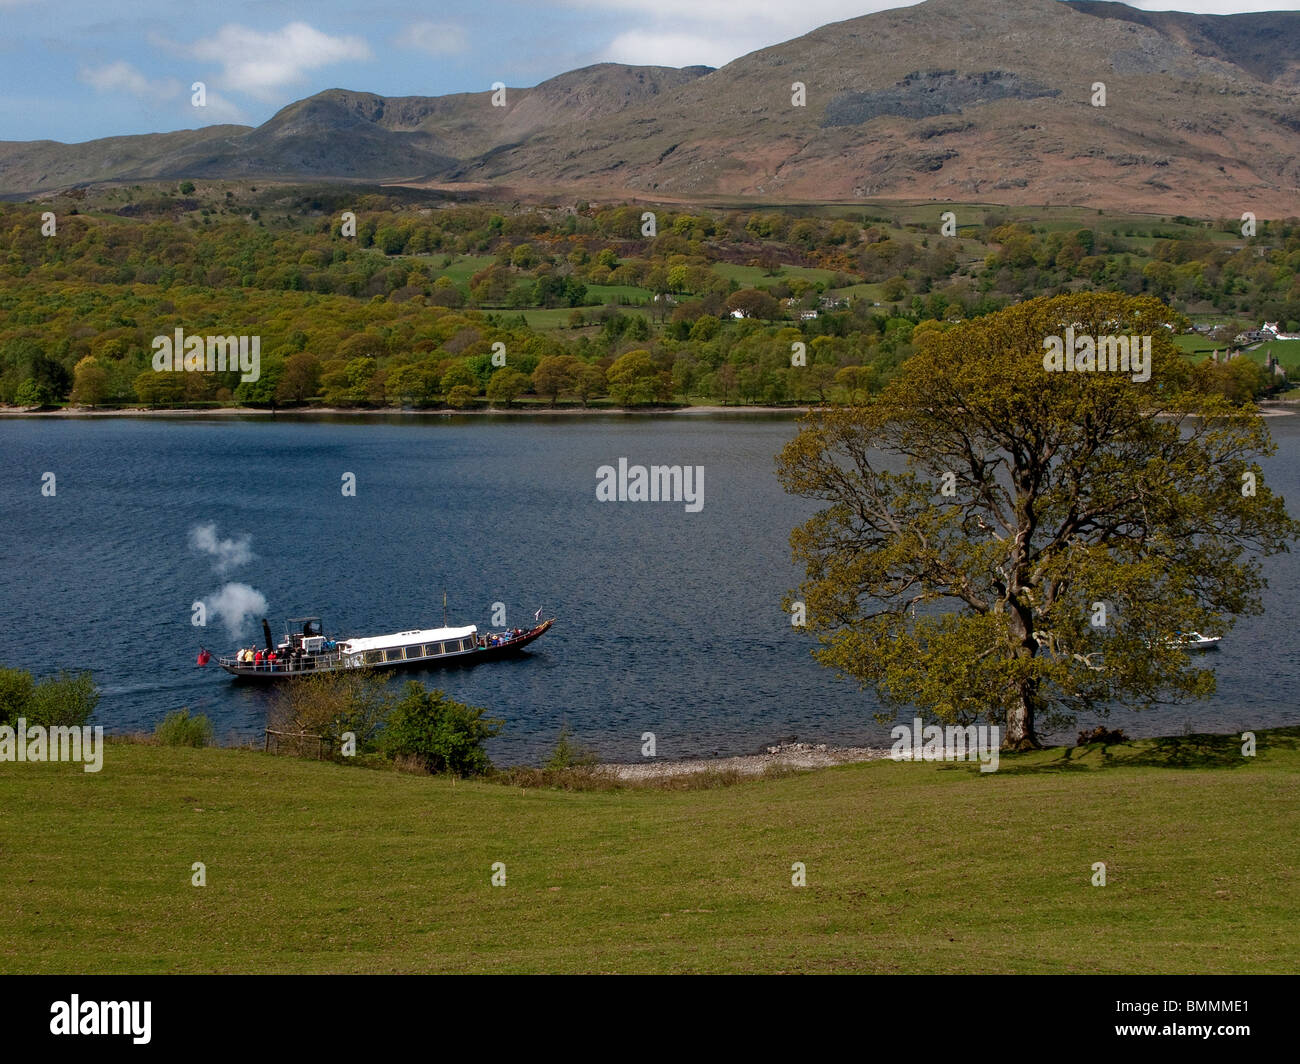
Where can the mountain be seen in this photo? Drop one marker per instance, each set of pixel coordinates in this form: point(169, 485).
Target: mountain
point(343, 135)
point(969, 100)
point(961, 100)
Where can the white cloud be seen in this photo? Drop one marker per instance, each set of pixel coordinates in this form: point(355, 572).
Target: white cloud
point(220, 111)
point(260, 63)
point(123, 77)
point(653, 48)
point(728, 16)
point(714, 32)
point(436, 38)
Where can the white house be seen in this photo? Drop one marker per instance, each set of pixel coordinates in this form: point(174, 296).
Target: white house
point(1277, 334)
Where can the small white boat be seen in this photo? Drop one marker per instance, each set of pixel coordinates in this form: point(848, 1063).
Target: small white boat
point(1194, 641)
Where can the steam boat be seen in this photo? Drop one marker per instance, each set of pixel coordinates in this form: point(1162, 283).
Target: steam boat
point(305, 650)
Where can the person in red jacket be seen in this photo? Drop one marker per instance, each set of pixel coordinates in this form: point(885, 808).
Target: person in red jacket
point(257, 660)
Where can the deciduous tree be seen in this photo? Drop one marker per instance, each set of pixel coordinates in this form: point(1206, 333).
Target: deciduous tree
point(1007, 543)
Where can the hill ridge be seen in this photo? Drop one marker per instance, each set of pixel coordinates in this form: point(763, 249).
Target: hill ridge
point(946, 100)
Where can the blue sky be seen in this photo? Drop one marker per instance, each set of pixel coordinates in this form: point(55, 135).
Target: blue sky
point(79, 69)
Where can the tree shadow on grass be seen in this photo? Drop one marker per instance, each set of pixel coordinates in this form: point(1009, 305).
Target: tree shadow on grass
point(1174, 751)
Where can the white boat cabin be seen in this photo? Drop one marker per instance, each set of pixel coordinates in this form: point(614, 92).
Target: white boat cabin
point(409, 646)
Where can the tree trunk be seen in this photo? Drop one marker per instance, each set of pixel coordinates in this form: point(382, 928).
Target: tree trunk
point(1020, 722)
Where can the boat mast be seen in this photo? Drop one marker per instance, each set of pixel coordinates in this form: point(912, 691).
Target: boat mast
point(444, 607)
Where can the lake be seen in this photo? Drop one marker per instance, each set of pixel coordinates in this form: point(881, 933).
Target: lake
point(669, 621)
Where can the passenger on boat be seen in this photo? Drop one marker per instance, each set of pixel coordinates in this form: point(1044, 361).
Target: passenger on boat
point(257, 660)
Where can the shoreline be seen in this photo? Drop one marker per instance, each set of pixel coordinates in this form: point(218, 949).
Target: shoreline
point(786, 755)
point(1266, 408)
point(314, 411)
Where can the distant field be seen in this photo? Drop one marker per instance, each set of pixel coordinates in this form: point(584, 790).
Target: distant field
point(1199, 348)
point(462, 267)
point(608, 293)
point(558, 317)
point(872, 293)
point(548, 318)
point(1195, 345)
point(911, 867)
point(1285, 351)
point(757, 277)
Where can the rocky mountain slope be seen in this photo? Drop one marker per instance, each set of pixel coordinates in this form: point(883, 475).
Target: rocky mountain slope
point(961, 100)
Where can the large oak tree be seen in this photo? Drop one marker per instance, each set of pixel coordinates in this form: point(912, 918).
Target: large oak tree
point(1000, 542)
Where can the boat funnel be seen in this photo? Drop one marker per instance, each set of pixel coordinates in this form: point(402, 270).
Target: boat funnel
point(266, 631)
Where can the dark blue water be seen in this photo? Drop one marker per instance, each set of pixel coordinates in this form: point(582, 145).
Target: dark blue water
point(669, 621)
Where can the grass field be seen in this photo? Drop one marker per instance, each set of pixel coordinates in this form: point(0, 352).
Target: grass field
point(1285, 351)
point(614, 293)
point(1196, 346)
point(462, 267)
point(558, 317)
point(315, 867)
point(1199, 347)
point(757, 277)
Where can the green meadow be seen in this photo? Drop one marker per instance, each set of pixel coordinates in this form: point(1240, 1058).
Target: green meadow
point(910, 867)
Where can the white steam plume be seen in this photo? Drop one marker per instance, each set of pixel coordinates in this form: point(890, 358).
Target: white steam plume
point(236, 605)
point(227, 554)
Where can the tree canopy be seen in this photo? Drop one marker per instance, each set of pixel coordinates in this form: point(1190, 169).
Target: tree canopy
point(1000, 542)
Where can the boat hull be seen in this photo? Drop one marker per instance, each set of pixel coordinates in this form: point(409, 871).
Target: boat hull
point(321, 664)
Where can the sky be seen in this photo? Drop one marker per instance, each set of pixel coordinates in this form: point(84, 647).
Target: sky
point(74, 70)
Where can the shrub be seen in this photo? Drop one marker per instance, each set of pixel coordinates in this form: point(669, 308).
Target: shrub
point(32, 393)
point(570, 754)
point(15, 694)
point(66, 700)
point(1101, 734)
point(326, 706)
point(180, 729)
point(447, 736)
point(461, 396)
